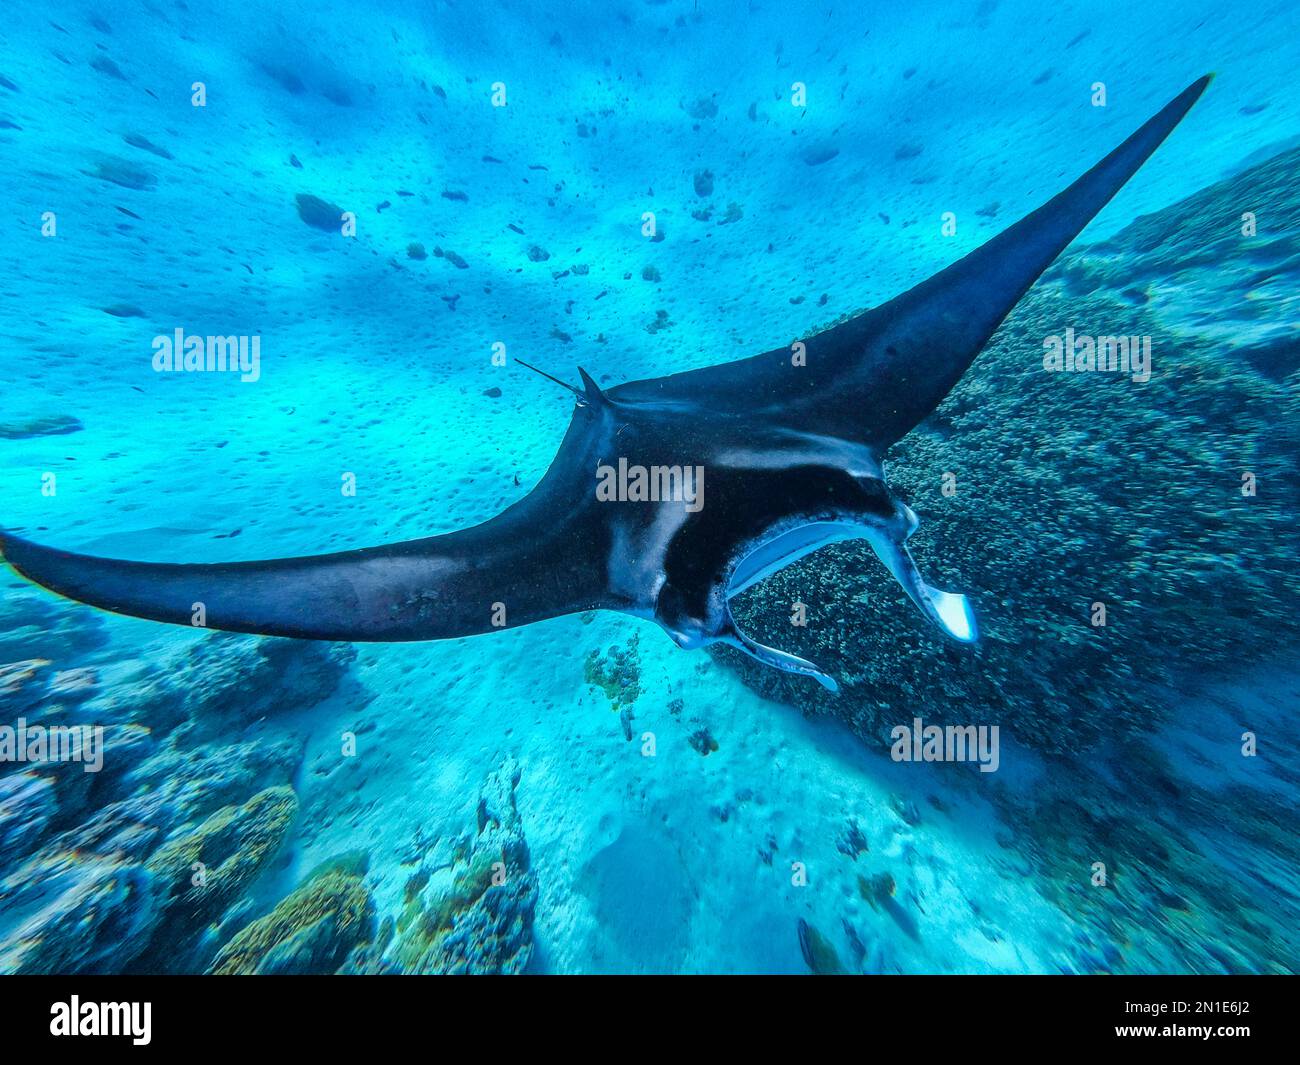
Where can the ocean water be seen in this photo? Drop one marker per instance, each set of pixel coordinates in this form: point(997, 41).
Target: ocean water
point(489, 803)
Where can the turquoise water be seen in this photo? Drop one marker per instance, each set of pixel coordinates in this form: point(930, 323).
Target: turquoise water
point(521, 225)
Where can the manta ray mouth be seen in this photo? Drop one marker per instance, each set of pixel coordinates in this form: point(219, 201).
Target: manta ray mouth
point(786, 548)
point(949, 611)
point(762, 560)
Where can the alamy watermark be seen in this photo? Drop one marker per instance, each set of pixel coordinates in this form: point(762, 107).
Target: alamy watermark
point(919, 742)
point(179, 353)
point(40, 744)
point(631, 483)
point(77, 1018)
point(1081, 353)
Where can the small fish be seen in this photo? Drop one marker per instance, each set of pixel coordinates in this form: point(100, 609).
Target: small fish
point(817, 953)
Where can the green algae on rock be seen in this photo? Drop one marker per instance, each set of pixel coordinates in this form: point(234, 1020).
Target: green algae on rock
point(617, 673)
point(310, 932)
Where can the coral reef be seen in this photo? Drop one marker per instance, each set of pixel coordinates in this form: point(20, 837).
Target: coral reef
point(83, 902)
point(617, 673)
point(37, 627)
point(1177, 879)
point(311, 931)
point(137, 866)
point(202, 870)
point(474, 914)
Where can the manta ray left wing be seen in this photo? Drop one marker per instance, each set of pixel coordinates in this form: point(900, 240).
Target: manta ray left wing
point(540, 558)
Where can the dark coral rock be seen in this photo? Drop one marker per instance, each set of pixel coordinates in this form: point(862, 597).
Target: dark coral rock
point(27, 806)
point(74, 685)
point(702, 740)
point(853, 840)
point(318, 213)
point(23, 685)
point(203, 869)
point(197, 780)
point(229, 679)
point(84, 902)
point(1185, 863)
point(42, 627)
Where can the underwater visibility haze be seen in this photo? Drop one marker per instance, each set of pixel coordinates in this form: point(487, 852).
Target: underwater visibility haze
point(300, 302)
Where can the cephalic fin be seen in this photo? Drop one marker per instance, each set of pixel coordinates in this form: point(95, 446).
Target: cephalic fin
point(781, 660)
point(950, 611)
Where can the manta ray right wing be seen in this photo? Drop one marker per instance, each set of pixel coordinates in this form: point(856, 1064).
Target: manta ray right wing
point(872, 378)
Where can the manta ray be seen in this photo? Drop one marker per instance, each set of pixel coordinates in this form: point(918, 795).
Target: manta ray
point(791, 443)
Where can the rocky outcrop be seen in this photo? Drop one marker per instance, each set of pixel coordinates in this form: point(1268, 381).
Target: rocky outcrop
point(140, 864)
